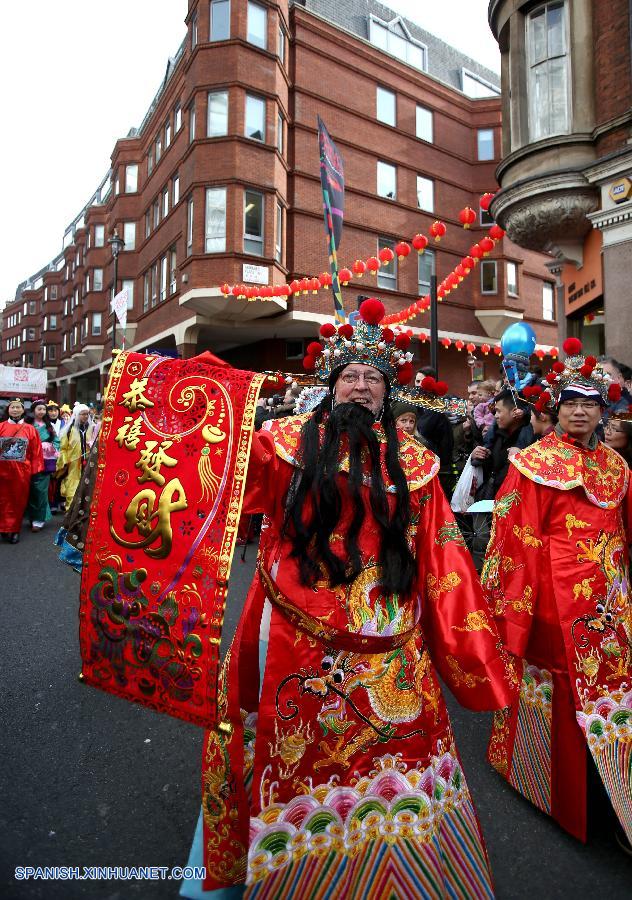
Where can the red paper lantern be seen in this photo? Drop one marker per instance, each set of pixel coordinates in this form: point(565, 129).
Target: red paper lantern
point(441, 292)
point(386, 256)
point(498, 350)
point(402, 249)
point(304, 285)
point(225, 289)
point(476, 252)
point(423, 337)
point(420, 242)
point(467, 217)
point(438, 230)
point(554, 352)
point(485, 348)
point(359, 268)
point(485, 201)
point(540, 353)
point(468, 264)
point(453, 281)
point(470, 347)
point(325, 279)
point(460, 272)
point(373, 264)
point(314, 285)
point(446, 342)
point(345, 276)
point(487, 245)
point(496, 232)
point(235, 290)
point(459, 345)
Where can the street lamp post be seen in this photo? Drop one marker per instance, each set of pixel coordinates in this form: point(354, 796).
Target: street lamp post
point(116, 243)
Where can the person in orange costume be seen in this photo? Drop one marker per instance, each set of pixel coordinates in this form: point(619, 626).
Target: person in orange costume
point(21, 457)
point(556, 575)
point(341, 776)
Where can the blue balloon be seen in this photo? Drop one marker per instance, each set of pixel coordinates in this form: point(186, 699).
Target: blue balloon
point(518, 338)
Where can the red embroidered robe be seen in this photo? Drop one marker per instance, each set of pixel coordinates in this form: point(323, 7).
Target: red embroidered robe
point(556, 576)
point(20, 458)
point(342, 778)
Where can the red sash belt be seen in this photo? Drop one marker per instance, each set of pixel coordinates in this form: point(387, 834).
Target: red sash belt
point(327, 634)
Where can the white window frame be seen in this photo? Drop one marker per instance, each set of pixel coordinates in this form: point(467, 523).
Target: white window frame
point(214, 238)
point(215, 3)
point(146, 290)
point(190, 212)
point(192, 122)
point(538, 129)
point(384, 34)
point(164, 277)
point(261, 105)
point(253, 243)
point(512, 273)
point(128, 283)
point(97, 279)
point(99, 235)
point(281, 39)
point(278, 234)
point(423, 287)
point(129, 236)
point(165, 202)
point(386, 171)
point(425, 193)
point(548, 292)
point(173, 270)
point(424, 123)
point(252, 38)
point(96, 329)
point(177, 118)
point(482, 143)
point(387, 275)
point(212, 98)
point(131, 178)
point(485, 265)
point(386, 99)
point(478, 86)
point(280, 132)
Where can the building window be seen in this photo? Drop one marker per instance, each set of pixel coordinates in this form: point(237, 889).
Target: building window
point(217, 118)
point(51, 352)
point(215, 227)
point(96, 323)
point(394, 37)
point(154, 284)
point(257, 25)
point(128, 285)
point(548, 71)
point(65, 342)
point(97, 279)
point(387, 274)
point(220, 20)
point(147, 223)
point(158, 148)
point(255, 118)
point(194, 34)
point(425, 193)
point(281, 40)
point(32, 307)
point(488, 277)
point(425, 269)
point(30, 336)
point(280, 133)
point(165, 202)
point(386, 180)
point(278, 240)
point(53, 287)
point(177, 118)
point(163, 278)
point(131, 178)
point(99, 236)
point(385, 106)
point(512, 279)
point(485, 217)
point(129, 235)
point(475, 86)
point(192, 123)
point(253, 222)
point(424, 124)
point(548, 311)
point(150, 161)
point(173, 269)
point(167, 133)
point(190, 226)
point(176, 189)
point(485, 144)
point(146, 290)
point(86, 289)
point(156, 214)
point(52, 322)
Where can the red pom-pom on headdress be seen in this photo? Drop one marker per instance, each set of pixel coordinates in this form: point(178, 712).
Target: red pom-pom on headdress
point(346, 331)
point(559, 367)
point(405, 373)
point(586, 370)
point(614, 393)
point(545, 397)
point(441, 387)
point(402, 341)
point(372, 311)
point(387, 335)
point(551, 377)
point(327, 330)
point(572, 346)
point(314, 349)
point(309, 363)
point(429, 384)
point(591, 361)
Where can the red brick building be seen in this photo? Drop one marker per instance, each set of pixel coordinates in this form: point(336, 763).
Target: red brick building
point(220, 183)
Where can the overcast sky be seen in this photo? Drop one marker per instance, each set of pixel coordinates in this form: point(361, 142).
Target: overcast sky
point(78, 74)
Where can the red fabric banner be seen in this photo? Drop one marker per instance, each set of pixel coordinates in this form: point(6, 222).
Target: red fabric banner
point(173, 456)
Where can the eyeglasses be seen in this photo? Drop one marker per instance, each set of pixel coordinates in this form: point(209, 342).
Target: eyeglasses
point(580, 404)
point(613, 428)
point(354, 377)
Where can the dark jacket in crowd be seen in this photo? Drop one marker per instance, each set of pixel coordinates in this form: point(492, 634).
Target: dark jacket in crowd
point(496, 466)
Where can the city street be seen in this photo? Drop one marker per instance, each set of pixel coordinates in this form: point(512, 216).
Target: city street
point(90, 780)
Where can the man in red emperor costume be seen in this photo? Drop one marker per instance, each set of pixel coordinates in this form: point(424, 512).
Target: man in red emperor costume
point(556, 576)
point(340, 776)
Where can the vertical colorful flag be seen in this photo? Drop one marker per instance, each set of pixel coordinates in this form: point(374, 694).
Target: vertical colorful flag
point(332, 179)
